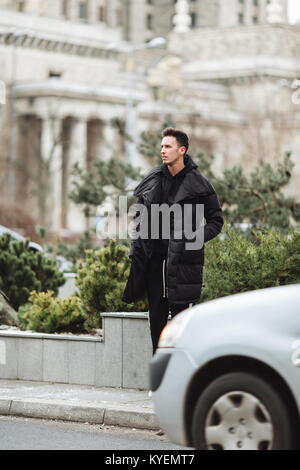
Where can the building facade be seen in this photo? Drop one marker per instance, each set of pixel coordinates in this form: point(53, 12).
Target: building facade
point(226, 75)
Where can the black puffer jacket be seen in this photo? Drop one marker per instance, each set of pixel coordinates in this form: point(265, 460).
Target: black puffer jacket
point(184, 267)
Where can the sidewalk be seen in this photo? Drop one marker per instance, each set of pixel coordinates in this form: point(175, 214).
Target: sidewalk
point(88, 404)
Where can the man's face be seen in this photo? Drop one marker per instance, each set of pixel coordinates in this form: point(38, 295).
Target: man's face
point(171, 152)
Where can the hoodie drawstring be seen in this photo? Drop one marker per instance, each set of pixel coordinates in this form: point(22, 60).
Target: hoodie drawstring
point(165, 289)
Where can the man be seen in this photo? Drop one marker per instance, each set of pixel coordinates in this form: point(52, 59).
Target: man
point(169, 268)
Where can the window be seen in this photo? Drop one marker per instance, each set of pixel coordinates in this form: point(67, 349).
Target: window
point(119, 17)
point(101, 14)
point(255, 19)
point(53, 74)
point(82, 10)
point(149, 22)
point(65, 8)
point(241, 18)
point(193, 19)
point(20, 6)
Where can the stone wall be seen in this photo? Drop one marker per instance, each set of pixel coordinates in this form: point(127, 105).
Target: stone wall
point(119, 359)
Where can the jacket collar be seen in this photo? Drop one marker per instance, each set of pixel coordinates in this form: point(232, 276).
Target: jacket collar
point(194, 184)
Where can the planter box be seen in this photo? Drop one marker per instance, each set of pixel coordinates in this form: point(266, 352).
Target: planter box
point(119, 359)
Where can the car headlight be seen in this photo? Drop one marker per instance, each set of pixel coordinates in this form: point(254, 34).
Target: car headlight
point(173, 330)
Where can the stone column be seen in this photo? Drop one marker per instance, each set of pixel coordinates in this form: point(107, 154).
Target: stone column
point(111, 7)
point(93, 11)
point(182, 19)
point(53, 9)
point(275, 13)
point(73, 10)
point(228, 13)
point(136, 28)
point(248, 12)
point(76, 221)
point(262, 11)
point(51, 152)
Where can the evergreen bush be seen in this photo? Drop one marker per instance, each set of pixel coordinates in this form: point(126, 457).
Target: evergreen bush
point(102, 278)
point(237, 264)
point(23, 270)
point(47, 314)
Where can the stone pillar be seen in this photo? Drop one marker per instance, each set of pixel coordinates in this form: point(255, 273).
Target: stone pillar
point(76, 221)
point(51, 151)
point(275, 13)
point(53, 9)
point(109, 138)
point(135, 29)
point(73, 10)
point(262, 11)
point(182, 19)
point(93, 11)
point(248, 12)
point(228, 13)
point(111, 6)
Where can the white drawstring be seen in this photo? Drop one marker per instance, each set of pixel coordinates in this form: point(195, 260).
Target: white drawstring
point(164, 279)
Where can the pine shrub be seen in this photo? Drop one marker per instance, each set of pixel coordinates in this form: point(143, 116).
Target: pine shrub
point(23, 270)
point(47, 314)
point(102, 278)
point(238, 263)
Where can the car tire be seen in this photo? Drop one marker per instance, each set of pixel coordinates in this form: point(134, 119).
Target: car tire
point(241, 411)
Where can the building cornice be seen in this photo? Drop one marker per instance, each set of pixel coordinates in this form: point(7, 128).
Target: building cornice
point(55, 88)
point(49, 43)
point(242, 68)
point(54, 35)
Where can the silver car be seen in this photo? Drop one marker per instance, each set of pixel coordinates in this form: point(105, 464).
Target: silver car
point(16, 236)
point(226, 374)
point(62, 264)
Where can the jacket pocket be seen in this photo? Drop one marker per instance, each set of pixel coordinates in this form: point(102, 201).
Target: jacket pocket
point(192, 257)
point(189, 274)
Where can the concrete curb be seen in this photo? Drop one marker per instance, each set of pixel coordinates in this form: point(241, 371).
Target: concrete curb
point(79, 412)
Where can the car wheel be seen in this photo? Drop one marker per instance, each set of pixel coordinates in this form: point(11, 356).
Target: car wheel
point(241, 411)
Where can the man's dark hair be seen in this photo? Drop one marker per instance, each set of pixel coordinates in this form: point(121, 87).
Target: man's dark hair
point(180, 136)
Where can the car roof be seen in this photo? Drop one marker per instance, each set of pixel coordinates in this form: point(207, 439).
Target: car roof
point(18, 236)
point(14, 234)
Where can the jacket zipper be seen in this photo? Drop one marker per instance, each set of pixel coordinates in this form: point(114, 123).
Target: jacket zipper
point(165, 288)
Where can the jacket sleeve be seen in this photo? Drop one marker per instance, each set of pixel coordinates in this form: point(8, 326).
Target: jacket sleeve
point(214, 217)
point(134, 244)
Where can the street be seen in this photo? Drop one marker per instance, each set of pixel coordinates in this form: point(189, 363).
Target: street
point(34, 434)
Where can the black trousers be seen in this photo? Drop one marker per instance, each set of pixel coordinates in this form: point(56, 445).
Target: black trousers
point(159, 307)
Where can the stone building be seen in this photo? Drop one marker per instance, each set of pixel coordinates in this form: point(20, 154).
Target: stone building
point(157, 16)
point(226, 75)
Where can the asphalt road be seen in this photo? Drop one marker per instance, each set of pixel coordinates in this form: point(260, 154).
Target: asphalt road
point(33, 434)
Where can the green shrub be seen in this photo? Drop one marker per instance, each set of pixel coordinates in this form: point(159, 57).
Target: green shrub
point(102, 278)
point(47, 314)
point(23, 270)
point(238, 264)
